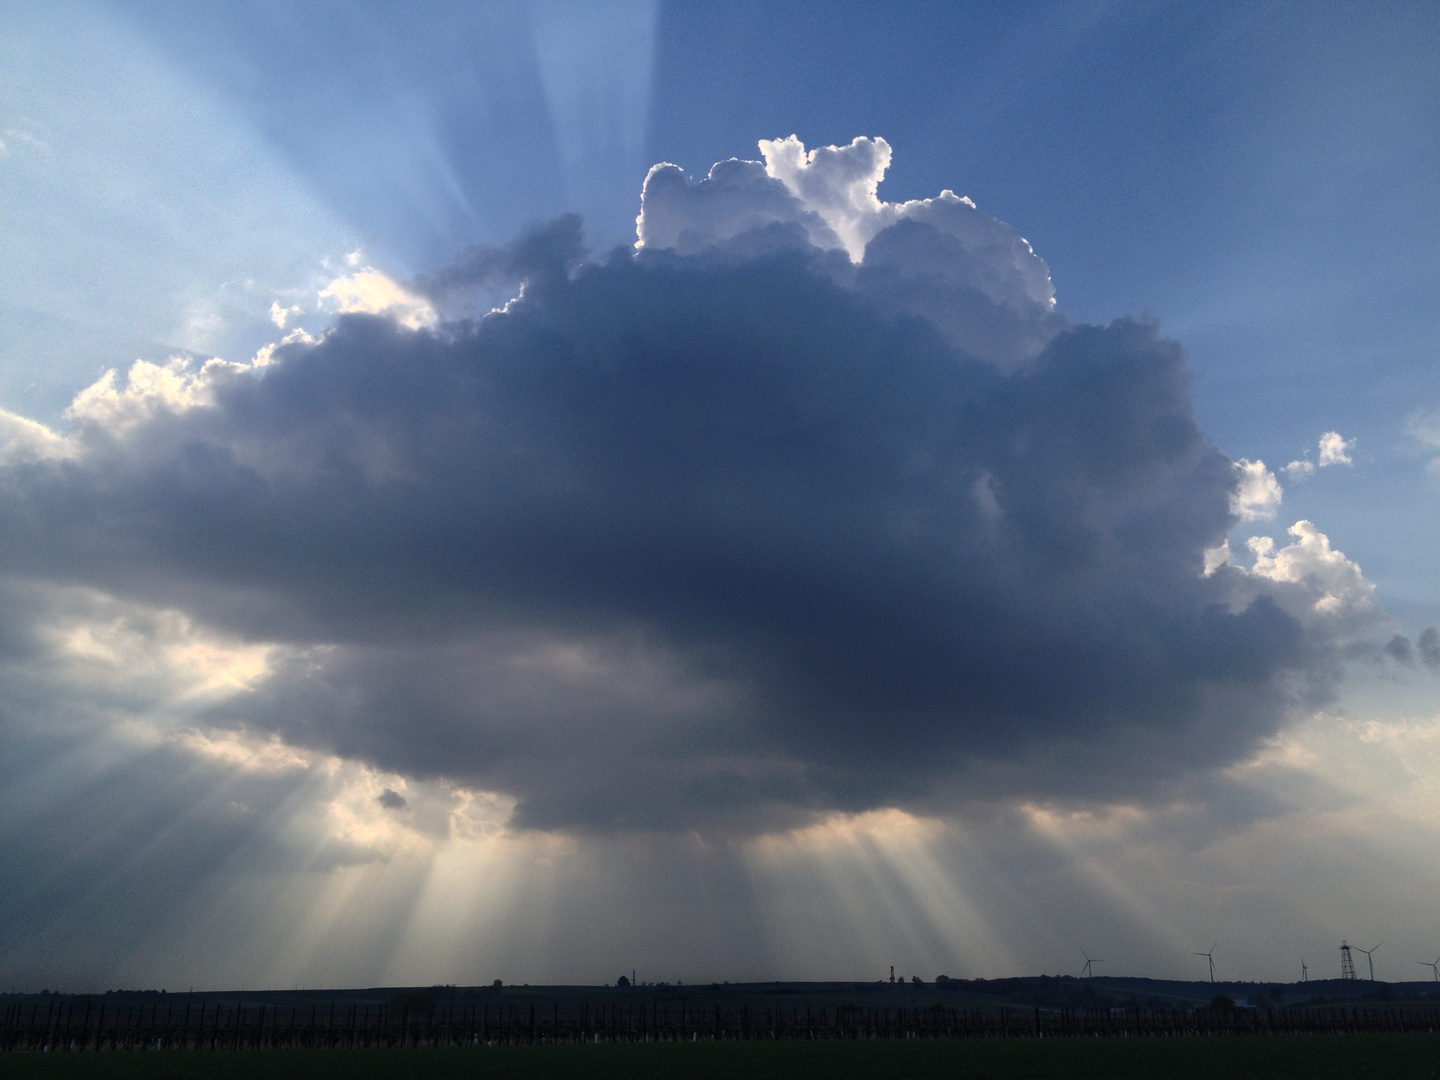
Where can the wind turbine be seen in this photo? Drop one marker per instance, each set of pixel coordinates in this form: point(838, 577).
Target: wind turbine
point(1211, 957)
point(1089, 963)
point(1368, 957)
point(1305, 971)
point(1435, 966)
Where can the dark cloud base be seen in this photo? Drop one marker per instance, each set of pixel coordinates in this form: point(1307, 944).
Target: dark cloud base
point(677, 542)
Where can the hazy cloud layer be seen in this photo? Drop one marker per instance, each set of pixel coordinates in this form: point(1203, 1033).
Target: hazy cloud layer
point(809, 503)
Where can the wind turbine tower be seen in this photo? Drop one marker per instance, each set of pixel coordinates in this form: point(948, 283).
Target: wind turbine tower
point(1347, 963)
point(1432, 965)
point(1304, 971)
point(1369, 957)
point(1211, 957)
point(1089, 964)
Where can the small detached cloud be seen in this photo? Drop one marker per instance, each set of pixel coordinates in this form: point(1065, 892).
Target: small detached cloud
point(1335, 450)
point(391, 799)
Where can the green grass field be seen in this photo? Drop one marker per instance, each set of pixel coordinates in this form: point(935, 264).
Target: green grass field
point(1305, 1057)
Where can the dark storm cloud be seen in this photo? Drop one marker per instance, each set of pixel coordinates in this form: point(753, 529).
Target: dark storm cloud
point(675, 541)
point(545, 252)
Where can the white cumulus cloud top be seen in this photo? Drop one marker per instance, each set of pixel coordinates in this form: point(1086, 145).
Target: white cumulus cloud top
point(23, 439)
point(1258, 494)
point(975, 278)
point(369, 292)
point(148, 389)
point(1336, 585)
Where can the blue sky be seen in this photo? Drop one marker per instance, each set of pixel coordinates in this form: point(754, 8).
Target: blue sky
point(1257, 179)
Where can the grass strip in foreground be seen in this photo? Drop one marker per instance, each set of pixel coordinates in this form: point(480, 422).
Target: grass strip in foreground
point(1280, 1057)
